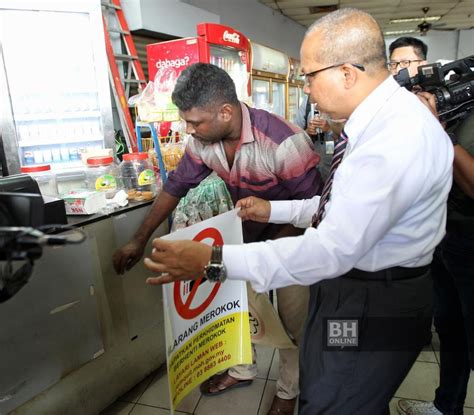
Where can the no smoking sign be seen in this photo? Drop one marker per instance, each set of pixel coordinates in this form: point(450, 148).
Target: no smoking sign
point(191, 298)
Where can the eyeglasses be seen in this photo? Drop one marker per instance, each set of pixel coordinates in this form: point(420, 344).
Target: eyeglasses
point(310, 75)
point(403, 64)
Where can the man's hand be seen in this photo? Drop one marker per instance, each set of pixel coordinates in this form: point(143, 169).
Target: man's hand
point(127, 256)
point(315, 123)
point(177, 260)
point(429, 100)
point(253, 208)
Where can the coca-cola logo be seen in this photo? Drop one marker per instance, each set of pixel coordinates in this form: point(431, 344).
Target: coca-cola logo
point(172, 63)
point(231, 37)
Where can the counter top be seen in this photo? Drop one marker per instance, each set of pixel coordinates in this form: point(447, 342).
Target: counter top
point(82, 220)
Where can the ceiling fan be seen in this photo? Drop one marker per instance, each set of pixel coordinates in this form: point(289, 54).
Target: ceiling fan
point(426, 26)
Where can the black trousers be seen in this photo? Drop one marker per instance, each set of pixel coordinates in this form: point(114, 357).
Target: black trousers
point(394, 323)
point(453, 277)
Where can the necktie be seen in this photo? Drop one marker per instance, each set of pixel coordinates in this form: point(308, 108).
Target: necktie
point(339, 150)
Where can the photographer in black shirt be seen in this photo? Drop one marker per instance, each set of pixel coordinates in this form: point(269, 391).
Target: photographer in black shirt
point(453, 279)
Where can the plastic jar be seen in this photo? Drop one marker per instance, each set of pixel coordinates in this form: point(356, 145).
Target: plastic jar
point(102, 174)
point(138, 177)
point(45, 178)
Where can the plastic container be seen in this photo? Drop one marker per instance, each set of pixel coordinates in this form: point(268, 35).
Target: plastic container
point(138, 177)
point(45, 178)
point(102, 174)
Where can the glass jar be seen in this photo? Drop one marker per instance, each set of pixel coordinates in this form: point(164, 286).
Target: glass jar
point(138, 177)
point(102, 174)
point(45, 178)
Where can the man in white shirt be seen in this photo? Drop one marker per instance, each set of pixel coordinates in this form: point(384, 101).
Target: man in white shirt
point(381, 215)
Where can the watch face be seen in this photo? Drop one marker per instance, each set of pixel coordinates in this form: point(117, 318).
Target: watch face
point(215, 272)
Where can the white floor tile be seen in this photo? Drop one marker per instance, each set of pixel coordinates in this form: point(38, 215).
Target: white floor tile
point(267, 398)
point(427, 355)
point(468, 411)
point(274, 368)
point(435, 344)
point(470, 392)
point(157, 394)
point(150, 410)
point(420, 383)
point(245, 400)
point(264, 360)
point(134, 394)
point(118, 408)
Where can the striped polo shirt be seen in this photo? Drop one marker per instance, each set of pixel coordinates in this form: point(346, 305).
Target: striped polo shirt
point(274, 160)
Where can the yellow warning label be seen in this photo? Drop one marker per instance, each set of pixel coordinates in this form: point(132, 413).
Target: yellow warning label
point(222, 344)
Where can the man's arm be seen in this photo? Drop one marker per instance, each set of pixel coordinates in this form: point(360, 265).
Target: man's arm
point(464, 170)
point(189, 173)
point(463, 166)
point(128, 255)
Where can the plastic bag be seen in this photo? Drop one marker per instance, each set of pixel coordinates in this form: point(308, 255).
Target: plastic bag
point(209, 199)
point(145, 104)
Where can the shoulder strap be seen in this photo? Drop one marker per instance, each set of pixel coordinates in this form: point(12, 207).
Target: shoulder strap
point(308, 108)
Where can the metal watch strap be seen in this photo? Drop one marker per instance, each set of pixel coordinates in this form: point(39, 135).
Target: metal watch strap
point(216, 256)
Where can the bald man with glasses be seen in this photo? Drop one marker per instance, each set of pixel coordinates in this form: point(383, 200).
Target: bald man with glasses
point(407, 52)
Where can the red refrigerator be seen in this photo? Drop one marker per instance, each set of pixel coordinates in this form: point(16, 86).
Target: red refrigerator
point(214, 43)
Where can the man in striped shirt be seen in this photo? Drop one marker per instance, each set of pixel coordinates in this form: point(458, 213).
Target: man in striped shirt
point(256, 154)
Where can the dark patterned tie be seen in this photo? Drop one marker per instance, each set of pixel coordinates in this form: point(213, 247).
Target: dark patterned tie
point(339, 149)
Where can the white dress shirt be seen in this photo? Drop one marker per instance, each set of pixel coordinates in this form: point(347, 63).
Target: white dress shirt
point(387, 206)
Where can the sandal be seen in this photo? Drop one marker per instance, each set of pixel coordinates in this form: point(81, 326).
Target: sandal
point(218, 384)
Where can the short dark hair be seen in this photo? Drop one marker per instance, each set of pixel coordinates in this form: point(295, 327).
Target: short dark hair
point(202, 85)
point(420, 48)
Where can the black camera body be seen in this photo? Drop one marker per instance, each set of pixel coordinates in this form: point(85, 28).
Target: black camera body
point(454, 97)
point(22, 241)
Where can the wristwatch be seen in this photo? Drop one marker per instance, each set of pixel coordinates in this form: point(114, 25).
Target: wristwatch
point(215, 270)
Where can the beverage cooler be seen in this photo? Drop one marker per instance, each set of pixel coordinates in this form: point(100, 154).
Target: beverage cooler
point(294, 89)
point(216, 44)
point(55, 100)
point(270, 69)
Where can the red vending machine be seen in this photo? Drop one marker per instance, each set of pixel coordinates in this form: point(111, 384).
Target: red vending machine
point(216, 44)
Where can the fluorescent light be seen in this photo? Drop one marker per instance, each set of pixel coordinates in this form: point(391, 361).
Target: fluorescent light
point(399, 32)
point(416, 19)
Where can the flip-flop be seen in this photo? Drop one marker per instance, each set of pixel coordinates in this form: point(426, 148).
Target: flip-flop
point(217, 379)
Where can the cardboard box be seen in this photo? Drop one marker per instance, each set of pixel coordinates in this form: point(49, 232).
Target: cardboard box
point(84, 202)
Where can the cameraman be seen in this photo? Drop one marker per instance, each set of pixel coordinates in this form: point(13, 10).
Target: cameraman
point(324, 141)
point(407, 52)
point(453, 279)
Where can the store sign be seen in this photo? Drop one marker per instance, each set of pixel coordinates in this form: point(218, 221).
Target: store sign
point(206, 324)
point(172, 63)
point(231, 37)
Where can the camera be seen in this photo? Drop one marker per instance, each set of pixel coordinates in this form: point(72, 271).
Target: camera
point(22, 237)
point(454, 97)
point(315, 113)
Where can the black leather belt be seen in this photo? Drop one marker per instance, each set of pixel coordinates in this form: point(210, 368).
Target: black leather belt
point(388, 274)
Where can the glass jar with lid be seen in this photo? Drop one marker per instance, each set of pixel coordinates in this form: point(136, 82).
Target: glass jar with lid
point(102, 174)
point(138, 176)
point(45, 178)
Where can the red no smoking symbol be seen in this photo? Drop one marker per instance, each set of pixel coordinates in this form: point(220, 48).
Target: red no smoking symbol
point(183, 307)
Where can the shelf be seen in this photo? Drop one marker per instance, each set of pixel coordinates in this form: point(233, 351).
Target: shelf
point(58, 143)
point(57, 116)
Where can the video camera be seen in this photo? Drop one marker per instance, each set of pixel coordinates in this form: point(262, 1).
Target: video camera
point(22, 237)
point(454, 97)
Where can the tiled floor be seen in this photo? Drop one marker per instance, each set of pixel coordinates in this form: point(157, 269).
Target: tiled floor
point(150, 397)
